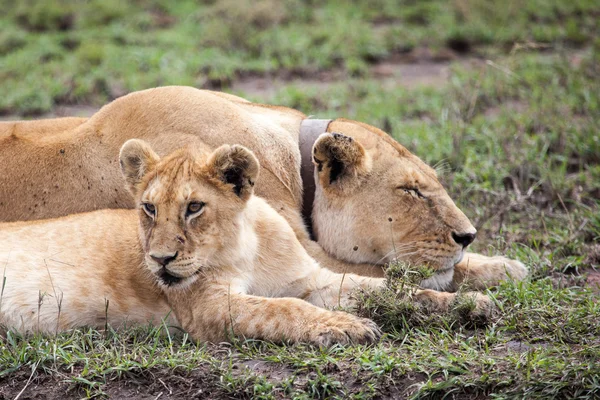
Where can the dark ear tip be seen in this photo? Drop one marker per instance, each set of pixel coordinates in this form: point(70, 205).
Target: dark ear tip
point(341, 136)
point(238, 166)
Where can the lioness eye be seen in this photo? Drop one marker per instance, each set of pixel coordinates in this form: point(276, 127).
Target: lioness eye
point(194, 207)
point(149, 209)
point(412, 191)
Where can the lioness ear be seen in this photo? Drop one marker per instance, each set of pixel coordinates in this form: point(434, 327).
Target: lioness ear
point(136, 159)
point(339, 160)
point(235, 165)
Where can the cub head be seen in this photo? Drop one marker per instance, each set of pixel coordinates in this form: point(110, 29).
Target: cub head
point(190, 206)
point(376, 202)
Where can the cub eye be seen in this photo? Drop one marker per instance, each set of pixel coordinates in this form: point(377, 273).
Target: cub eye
point(149, 209)
point(194, 208)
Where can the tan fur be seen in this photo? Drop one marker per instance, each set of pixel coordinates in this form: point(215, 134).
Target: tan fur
point(73, 168)
point(236, 266)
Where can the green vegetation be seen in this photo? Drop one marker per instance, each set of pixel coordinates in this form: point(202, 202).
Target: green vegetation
point(514, 130)
point(71, 51)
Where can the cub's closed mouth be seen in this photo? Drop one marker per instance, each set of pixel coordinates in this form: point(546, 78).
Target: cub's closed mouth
point(169, 279)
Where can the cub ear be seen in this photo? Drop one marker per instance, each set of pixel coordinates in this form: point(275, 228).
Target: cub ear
point(136, 159)
point(237, 166)
point(339, 160)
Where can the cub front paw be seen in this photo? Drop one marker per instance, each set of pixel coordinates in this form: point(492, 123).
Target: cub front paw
point(343, 328)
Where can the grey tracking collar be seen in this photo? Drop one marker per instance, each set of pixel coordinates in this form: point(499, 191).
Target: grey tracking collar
point(310, 130)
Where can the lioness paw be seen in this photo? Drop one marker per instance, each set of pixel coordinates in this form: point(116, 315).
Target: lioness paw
point(344, 328)
point(514, 269)
point(479, 272)
point(472, 304)
point(501, 269)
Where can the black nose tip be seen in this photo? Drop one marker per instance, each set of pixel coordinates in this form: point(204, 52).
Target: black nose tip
point(464, 239)
point(164, 260)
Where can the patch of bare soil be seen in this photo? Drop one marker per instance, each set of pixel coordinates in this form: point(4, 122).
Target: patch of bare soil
point(275, 372)
point(593, 280)
point(199, 383)
point(434, 74)
point(508, 106)
point(151, 384)
point(26, 386)
point(267, 86)
point(417, 68)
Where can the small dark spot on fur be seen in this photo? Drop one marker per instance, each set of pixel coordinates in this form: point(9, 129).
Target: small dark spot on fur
point(355, 248)
point(62, 151)
point(339, 136)
point(390, 219)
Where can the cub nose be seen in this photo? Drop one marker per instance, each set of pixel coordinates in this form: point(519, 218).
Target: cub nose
point(464, 239)
point(163, 259)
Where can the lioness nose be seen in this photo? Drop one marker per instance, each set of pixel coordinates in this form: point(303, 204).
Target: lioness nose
point(163, 259)
point(464, 239)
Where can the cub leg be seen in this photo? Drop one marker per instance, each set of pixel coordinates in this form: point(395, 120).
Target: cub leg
point(480, 272)
point(328, 289)
point(218, 312)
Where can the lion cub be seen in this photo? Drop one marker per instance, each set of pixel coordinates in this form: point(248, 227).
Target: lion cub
point(227, 262)
point(199, 243)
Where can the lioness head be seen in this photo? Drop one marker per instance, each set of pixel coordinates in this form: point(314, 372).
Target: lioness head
point(375, 202)
point(189, 206)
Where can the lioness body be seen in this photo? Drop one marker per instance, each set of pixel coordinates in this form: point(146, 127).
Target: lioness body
point(362, 218)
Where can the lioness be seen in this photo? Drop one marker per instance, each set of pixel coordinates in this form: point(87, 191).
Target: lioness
point(224, 260)
point(373, 200)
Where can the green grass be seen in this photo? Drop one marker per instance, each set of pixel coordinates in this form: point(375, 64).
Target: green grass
point(544, 344)
point(92, 51)
point(514, 132)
